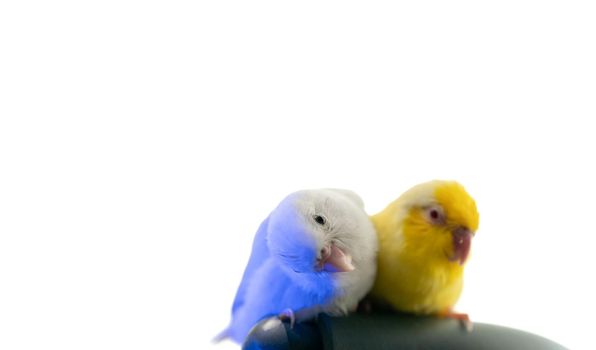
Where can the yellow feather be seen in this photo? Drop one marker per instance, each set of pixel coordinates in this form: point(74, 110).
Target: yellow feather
point(414, 271)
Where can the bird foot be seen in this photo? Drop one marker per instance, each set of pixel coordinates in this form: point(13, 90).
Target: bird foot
point(365, 306)
point(288, 314)
point(464, 319)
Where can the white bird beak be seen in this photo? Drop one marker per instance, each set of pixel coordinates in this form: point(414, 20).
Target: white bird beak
point(337, 261)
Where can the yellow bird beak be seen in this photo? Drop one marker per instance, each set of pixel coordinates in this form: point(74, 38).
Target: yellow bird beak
point(462, 241)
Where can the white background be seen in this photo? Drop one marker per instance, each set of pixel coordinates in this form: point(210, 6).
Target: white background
point(142, 143)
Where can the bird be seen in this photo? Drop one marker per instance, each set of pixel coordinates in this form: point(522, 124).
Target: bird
point(315, 252)
point(425, 237)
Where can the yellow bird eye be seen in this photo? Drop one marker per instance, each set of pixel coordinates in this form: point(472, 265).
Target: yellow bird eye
point(434, 214)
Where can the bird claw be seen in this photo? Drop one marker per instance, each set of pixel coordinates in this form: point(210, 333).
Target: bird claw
point(365, 306)
point(464, 320)
point(288, 314)
point(468, 325)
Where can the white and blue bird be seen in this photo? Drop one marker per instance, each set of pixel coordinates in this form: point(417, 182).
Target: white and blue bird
point(316, 252)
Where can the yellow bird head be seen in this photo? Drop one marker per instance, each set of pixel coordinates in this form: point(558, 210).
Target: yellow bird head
point(435, 220)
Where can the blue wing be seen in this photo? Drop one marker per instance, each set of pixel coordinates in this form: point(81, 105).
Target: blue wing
point(270, 292)
point(260, 253)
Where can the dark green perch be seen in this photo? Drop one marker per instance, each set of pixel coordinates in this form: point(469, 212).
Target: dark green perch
point(389, 331)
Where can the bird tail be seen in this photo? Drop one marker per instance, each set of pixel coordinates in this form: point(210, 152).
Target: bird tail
point(221, 336)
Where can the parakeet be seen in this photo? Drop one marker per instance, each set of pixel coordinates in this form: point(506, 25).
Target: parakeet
point(316, 252)
point(424, 241)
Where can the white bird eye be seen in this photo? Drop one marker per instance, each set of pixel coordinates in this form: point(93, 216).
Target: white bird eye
point(435, 215)
point(320, 219)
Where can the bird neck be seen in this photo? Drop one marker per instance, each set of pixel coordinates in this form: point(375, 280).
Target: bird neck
point(320, 285)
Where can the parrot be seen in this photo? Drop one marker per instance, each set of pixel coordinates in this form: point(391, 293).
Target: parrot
point(425, 238)
point(315, 252)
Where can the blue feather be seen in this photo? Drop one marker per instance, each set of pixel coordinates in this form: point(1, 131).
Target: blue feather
point(260, 253)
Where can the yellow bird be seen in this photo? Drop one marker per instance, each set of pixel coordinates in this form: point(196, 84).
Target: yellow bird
point(424, 240)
